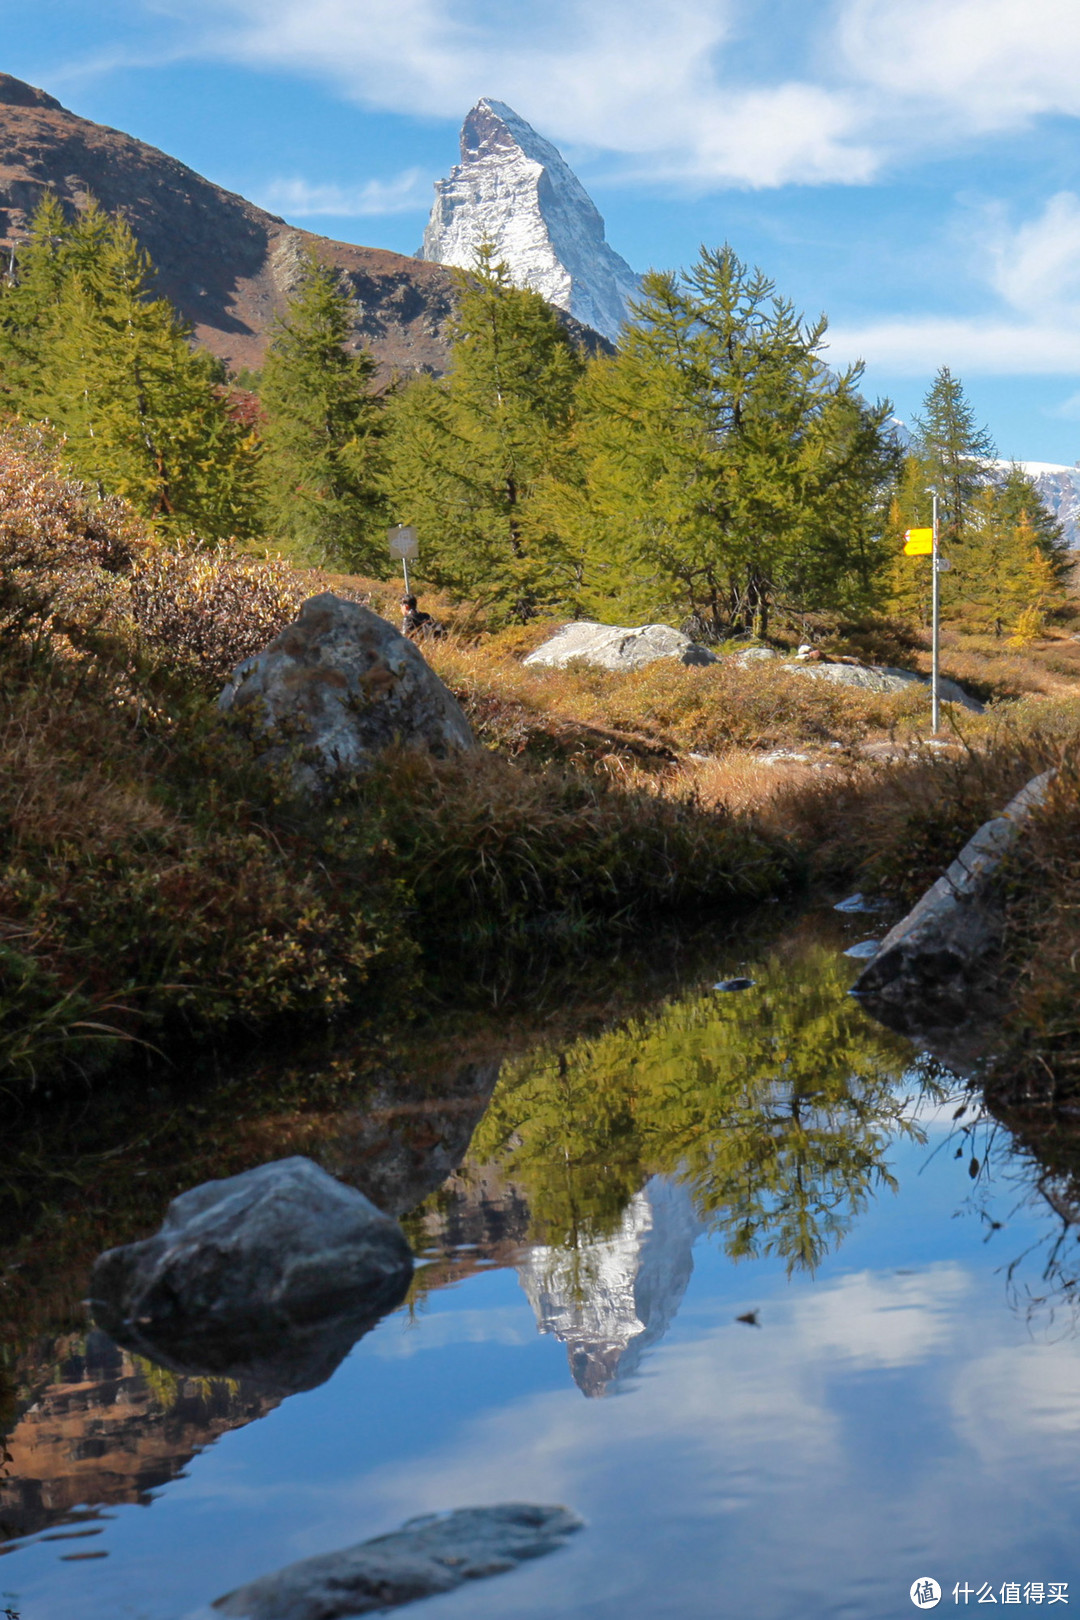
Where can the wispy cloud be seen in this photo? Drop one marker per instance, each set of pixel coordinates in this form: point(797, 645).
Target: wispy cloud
point(1036, 266)
point(305, 199)
point(1030, 275)
point(916, 347)
point(663, 86)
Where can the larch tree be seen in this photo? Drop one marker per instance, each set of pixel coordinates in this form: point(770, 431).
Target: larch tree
point(322, 434)
point(955, 449)
point(93, 352)
point(467, 454)
point(725, 466)
point(1009, 564)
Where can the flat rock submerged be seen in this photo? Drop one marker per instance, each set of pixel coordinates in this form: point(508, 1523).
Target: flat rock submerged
point(428, 1555)
point(617, 647)
point(271, 1275)
point(340, 685)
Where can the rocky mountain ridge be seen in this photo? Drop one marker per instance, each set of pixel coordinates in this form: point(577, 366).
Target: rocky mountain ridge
point(227, 265)
point(513, 189)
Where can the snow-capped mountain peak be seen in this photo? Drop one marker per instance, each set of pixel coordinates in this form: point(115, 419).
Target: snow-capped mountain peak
point(514, 190)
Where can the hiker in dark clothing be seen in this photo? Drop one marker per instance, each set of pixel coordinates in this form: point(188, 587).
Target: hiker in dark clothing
point(416, 625)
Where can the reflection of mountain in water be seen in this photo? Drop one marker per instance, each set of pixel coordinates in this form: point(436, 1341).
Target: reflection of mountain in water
point(610, 1299)
point(99, 1426)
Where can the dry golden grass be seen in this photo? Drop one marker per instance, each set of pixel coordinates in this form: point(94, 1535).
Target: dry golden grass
point(682, 710)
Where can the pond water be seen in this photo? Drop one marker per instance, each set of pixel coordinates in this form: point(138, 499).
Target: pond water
point(727, 1278)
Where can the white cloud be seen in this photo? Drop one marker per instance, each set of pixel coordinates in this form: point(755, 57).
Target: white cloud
point(302, 199)
point(642, 80)
point(919, 345)
point(1037, 267)
point(974, 65)
point(660, 84)
point(870, 1319)
point(1032, 268)
point(1033, 1391)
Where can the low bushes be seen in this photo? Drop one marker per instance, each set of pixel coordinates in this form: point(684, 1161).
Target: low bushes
point(703, 710)
point(150, 881)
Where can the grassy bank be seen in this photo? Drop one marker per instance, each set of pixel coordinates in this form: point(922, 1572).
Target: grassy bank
point(158, 888)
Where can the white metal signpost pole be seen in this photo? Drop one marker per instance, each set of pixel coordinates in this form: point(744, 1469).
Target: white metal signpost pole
point(935, 688)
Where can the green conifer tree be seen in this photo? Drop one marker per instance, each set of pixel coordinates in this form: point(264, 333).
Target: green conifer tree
point(1004, 570)
point(55, 248)
point(322, 438)
point(725, 465)
point(467, 456)
point(955, 450)
point(112, 368)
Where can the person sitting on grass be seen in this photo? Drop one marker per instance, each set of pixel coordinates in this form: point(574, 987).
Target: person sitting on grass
point(416, 625)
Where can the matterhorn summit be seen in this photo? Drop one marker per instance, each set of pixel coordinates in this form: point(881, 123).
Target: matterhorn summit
point(514, 190)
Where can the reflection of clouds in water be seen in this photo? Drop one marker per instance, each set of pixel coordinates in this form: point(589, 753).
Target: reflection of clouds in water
point(1019, 1402)
point(767, 1432)
point(405, 1336)
point(871, 1319)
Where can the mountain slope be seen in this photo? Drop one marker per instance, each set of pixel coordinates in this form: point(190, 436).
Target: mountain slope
point(226, 264)
point(1059, 487)
point(514, 190)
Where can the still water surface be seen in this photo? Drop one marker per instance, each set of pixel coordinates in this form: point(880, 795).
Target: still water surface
point(898, 1404)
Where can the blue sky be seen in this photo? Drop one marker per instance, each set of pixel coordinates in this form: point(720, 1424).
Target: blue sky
point(912, 167)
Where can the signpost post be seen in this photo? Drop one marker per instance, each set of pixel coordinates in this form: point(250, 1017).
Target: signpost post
point(404, 544)
point(924, 543)
point(935, 676)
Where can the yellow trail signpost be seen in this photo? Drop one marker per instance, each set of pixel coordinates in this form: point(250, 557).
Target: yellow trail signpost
point(924, 543)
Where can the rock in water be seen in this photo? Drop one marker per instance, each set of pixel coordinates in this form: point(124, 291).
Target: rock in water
point(429, 1555)
point(270, 1275)
point(610, 646)
point(341, 685)
point(931, 975)
point(514, 190)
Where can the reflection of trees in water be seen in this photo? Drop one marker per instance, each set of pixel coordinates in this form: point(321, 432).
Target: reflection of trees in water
point(1037, 1156)
point(775, 1107)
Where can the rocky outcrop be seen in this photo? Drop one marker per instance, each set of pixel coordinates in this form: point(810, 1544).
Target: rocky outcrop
point(428, 1555)
point(608, 646)
point(512, 189)
point(884, 678)
point(270, 1275)
point(932, 976)
point(339, 686)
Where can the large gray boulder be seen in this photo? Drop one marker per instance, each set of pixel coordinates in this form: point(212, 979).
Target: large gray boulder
point(340, 685)
point(611, 646)
point(427, 1556)
point(884, 678)
point(270, 1275)
point(932, 976)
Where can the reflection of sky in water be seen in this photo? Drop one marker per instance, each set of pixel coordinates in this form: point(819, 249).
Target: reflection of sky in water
point(892, 1417)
